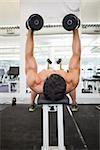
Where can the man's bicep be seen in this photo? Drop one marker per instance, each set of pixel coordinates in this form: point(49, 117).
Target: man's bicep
point(74, 62)
point(76, 77)
point(30, 64)
point(30, 77)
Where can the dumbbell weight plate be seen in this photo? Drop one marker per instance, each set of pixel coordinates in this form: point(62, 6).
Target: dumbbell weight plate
point(69, 22)
point(35, 22)
point(27, 22)
point(78, 24)
point(27, 25)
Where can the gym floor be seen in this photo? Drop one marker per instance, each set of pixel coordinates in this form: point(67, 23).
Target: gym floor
point(21, 130)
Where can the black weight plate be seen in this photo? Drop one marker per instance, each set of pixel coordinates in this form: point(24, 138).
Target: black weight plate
point(36, 22)
point(69, 22)
point(27, 24)
point(79, 22)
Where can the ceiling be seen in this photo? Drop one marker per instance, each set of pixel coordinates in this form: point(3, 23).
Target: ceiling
point(15, 12)
point(51, 10)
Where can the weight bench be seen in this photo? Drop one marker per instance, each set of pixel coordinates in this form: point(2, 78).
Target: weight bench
point(55, 106)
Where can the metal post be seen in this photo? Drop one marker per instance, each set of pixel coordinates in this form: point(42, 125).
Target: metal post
point(60, 128)
point(45, 128)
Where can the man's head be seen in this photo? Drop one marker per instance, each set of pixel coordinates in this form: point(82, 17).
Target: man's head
point(54, 87)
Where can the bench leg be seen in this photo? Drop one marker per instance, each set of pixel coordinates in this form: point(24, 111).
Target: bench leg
point(45, 128)
point(60, 128)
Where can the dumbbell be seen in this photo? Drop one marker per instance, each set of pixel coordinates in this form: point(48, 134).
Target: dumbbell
point(71, 22)
point(49, 62)
point(13, 101)
point(35, 22)
point(59, 62)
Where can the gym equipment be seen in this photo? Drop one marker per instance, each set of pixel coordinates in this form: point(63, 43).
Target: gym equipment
point(59, 62)
point(71, 22)
point(94, 82)
point(53, 106)
point(78, 130)
point(13, 101)
point(35, 22)
point(13, 71)
point(98, 107)
point(13, 78)
point(2, 74)
point(49, 63)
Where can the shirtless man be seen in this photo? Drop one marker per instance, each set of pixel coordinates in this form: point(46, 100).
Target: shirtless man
point(54, 84)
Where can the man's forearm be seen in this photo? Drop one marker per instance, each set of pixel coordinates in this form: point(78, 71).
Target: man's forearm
point(73, 96)
point(76, 46)
point(29, 44)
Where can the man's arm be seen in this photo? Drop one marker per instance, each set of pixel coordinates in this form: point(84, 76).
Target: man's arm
point(74, 64)
point(73, 96)
point(30, 62)
point(76, 47)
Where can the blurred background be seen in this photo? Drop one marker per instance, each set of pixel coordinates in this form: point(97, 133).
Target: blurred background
point(50, 42)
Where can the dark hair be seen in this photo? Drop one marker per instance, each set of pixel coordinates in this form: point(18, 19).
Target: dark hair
point(54, 87)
